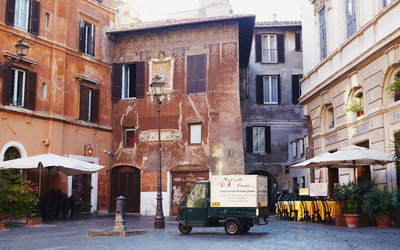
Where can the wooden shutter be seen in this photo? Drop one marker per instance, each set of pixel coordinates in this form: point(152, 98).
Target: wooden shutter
point(7, 80)
point(298, 41)
point(82, 37)
point(201, 73)
point(191, 75)
point(30, 90)
point(92, 44)
point(295, 89)
point(249, 139)
point(35, 17)
point(267, 139)
point(281, 48)
point(258, 48)
point(140, 86)
point(95, 105)
point(279, 89)
point(116, 81)
point(10, 12)
point(84, 103)
point(259, 89)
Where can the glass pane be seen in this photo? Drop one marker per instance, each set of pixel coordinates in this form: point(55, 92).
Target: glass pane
point(255, 139)
point(266, 90)
point(20, 88)
point(125, 79)
point(273, 49)
point(261, 139)
point(265, 49)
point(13, 87)
point(274, 90)
point(197, 196)
point(195, 133)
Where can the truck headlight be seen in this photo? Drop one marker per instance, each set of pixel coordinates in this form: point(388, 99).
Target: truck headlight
point(257, 212)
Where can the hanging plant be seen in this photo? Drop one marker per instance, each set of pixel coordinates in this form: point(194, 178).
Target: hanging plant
point(394, 87)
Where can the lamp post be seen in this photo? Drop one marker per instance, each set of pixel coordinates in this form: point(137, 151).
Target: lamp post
point(157, 87)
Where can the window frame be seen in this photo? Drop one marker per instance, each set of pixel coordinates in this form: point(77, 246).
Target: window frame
point(260, 137)
point(351, 20)
point(130, 129)
point(193, 125)
point(18, 14)
point(268, 99)
point(14, 88)
point(87, 46)
point(91, 113)
point(322, 34)
point(268, 36)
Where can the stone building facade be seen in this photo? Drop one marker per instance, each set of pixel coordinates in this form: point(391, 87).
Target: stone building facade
point(353, 54)
point(56, 99)
point(273, 122)
point(200, 60)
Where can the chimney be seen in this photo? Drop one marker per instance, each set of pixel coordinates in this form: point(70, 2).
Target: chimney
point(274, 18)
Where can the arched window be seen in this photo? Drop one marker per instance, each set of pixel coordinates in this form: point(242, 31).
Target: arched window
point(11, 154)
point(394, 87)
point(330, 117)
point(356, 104)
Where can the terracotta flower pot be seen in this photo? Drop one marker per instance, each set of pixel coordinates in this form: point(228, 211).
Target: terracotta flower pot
point(384, 221)
point(34, 221)
point(340, 221)
point(352, 220)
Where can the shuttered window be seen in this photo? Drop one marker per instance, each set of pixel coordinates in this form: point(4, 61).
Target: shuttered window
point(87, 36)
point(196, 74)
point(298, 41)
point(270, 48)
point(258, 139)
point(128, 80)
point(23, 14)
point(89, 104)
point(19, 88)
point(267, 89)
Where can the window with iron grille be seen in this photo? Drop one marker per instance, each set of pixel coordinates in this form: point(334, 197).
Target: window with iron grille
point(270, 48)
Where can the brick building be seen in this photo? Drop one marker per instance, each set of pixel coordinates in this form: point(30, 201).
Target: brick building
point(56, 99)
point(201, 123)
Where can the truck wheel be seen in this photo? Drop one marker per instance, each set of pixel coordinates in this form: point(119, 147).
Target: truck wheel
point(232, 227)
point(184, 230)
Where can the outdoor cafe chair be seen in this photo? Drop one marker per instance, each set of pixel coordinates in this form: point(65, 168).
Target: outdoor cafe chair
point(327, 213)
point(306, 214)
point(293, 212)
point(316, 216)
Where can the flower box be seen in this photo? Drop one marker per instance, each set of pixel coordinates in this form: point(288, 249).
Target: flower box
point(34, 221)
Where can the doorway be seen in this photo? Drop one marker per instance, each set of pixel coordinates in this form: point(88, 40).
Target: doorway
point(82, 189)
point(125, 181)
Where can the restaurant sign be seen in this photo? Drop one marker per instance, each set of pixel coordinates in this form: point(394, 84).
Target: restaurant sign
point(319, 189)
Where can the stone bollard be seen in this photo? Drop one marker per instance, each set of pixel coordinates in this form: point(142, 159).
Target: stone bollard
point(120, 214)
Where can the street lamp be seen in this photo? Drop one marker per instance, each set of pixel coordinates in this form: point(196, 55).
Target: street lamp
point(157, 87)
point(21, 48)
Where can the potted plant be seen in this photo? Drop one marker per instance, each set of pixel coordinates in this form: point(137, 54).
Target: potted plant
point(353, 205)
point(357, 107)
point(340, 195)
point(394, 88)
point(381, 204)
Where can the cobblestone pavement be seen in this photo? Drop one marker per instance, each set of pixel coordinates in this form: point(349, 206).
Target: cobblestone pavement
point(72, 234)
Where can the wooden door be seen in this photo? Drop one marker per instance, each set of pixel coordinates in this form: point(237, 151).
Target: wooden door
point(182, 182)
point(125, 181)
point(81, 189)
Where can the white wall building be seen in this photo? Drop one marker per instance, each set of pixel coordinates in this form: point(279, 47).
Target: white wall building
point(351, 55)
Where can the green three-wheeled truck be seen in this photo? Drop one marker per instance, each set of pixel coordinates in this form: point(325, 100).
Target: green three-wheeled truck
point(236, 202)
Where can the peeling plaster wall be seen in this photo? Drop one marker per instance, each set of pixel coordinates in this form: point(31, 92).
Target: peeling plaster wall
point(218, 109)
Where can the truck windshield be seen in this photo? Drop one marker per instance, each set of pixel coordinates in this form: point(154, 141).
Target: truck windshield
point(197, 196)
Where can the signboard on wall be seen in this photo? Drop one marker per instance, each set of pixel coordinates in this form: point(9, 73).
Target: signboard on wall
point(319, 189)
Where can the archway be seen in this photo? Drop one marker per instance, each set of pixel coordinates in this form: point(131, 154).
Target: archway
point(125, 181)
point(272, 188)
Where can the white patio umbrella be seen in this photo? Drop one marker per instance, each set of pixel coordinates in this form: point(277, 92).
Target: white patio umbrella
point(315, 162)
point(66, 165)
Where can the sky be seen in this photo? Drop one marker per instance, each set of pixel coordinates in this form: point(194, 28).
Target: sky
point(286, 10)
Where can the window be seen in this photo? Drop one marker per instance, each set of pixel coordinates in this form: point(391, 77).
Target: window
point(270, 48)
point(386, 2)
point(128, 80)
point(298, 41)
point(24, 14)
point(322, 33)
point(89, 104)
point(330, 117)
point(196, 74)
point(296, 88)
point(86, 37)
point(258, 139)
point(267, 90)
point(303, 182)
point(197, 196)
point(195, 133)
point(396, 94)
point(129, 137)
point(44, 90)
point(351, 17)
point(46, 20)
point(19, 88)
point(294, 149)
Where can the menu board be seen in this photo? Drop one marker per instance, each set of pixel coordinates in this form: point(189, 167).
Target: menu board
point(319, 189)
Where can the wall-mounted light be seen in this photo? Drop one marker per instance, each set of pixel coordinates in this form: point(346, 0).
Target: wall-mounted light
point(21, 47)
point(88, 151)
